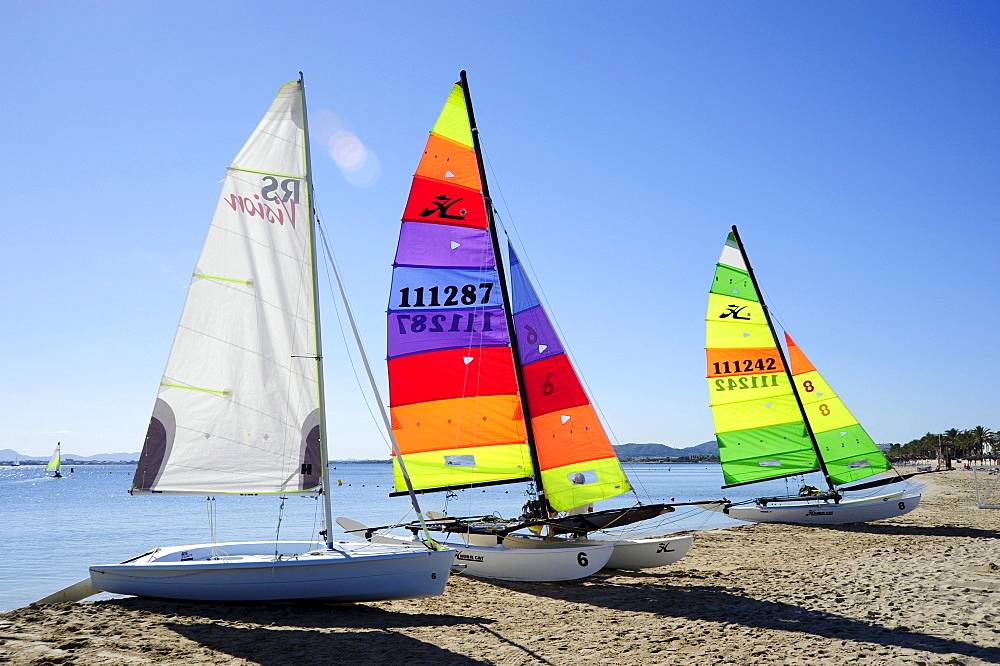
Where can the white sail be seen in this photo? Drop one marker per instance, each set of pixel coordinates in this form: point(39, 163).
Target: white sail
point(238, 407)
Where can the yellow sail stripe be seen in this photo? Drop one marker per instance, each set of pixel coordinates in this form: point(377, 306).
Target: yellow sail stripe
point(453, 122)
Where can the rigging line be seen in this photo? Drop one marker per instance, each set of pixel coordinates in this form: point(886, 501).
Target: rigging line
point(400, 464)
point(343, 334)
point(526, 260)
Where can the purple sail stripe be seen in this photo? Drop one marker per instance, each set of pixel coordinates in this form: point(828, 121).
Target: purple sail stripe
point(536, 338)
point(444, 245)
point(418, 331)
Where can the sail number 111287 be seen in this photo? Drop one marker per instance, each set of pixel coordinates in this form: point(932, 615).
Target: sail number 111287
point(431, 297)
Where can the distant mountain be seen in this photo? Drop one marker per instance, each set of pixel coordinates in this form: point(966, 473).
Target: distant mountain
point(663, 451)
point(11, 454)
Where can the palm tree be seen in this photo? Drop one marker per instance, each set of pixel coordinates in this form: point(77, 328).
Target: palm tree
point(981, 438)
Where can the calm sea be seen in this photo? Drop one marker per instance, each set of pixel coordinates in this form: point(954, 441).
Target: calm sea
point(54, 529)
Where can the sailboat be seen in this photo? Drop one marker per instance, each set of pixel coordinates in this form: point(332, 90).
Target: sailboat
point(777, 419)
point(481, 389)
point(55, 463)
point(241, 409)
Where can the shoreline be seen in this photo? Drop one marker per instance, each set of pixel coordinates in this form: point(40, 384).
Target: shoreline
point(919, 589)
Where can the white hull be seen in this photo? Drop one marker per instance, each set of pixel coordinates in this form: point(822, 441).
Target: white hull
point(544, 565)
point(628, 553)
point(828, 513)
point(305, 571)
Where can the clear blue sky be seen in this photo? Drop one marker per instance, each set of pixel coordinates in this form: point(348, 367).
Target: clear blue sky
point(855, 144)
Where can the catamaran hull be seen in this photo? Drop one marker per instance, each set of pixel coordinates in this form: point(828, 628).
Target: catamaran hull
point(543, 565)
point(628, 553)
point(304, 571)
point(827, 513)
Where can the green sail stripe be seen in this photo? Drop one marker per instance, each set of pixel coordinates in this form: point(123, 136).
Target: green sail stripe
point(224, 392)
point(267, 173)
point(850, 454)
point(759, 454)
point(733, 282)
point(218, 278)
point(564, 495)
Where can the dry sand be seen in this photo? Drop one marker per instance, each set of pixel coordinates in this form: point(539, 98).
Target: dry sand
point(922, 589)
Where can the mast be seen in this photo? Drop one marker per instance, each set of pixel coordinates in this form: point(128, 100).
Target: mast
point(784, 361)
point(324, 455)
point(505, 294)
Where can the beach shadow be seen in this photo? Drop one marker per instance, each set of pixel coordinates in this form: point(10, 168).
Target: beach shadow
point(277, 646)
point(725, 606)
point(914, 530)
point(299, 616)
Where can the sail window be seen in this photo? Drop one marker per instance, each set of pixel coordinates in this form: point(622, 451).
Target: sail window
point(582, 478)
point(858, 464)
point(770, 463)
point(460, 461)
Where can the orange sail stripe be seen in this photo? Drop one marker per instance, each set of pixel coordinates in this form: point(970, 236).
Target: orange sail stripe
point(796, 359)
point(457, 423)
point(443, 156)
point(570, 436)
point(729, 361)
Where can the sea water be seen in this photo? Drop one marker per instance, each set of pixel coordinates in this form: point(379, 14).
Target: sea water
point(54, 529)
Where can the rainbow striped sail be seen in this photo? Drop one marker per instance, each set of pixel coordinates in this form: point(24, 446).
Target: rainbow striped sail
point(758, 422)
point(458, 395)
point(577, 463)
point(453, 395)
point(847, 451)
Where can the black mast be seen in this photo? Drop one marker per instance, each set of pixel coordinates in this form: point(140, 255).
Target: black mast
point(784, 361)
point(508, 314)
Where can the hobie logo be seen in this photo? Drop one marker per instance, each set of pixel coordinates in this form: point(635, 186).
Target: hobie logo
point(276, 202)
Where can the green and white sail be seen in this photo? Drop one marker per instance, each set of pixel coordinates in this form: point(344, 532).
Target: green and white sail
point(758, 422)
point(55, 462)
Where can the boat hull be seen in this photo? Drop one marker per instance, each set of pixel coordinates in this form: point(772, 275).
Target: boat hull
point(628, 553)
point(304, 571)
point(542, 565)
point(827, 513)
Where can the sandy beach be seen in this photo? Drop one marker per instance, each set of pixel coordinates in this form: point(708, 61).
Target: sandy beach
point(922, 589)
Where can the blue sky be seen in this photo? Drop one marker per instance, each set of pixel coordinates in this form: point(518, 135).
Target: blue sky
point(856, 146)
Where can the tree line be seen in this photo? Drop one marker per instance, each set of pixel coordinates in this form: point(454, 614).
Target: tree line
point(975, 443)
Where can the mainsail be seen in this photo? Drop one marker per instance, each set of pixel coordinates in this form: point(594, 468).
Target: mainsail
point(848, 452)
point(55, 462)
point(238, 409)
point(758, 422)
point(458, 391)
point(453, 394)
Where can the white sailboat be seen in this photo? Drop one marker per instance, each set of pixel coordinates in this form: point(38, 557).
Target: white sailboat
point(240, 408)
point(55, 462)
point(482, 391)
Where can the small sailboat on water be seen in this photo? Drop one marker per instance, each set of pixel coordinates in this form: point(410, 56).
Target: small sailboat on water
point(241, 409)
point(55, 462)
point(482, 391)
point(775, 416)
